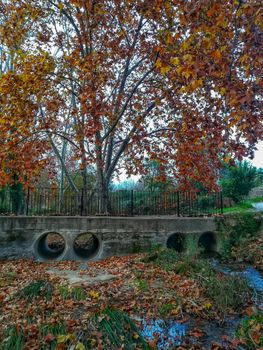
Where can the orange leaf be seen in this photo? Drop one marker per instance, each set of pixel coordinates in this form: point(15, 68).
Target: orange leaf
point(256, 336)
point(216, 54)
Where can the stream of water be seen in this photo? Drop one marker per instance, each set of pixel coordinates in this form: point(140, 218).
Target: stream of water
point(172, 333)
point(253, 277)
point(258, 206)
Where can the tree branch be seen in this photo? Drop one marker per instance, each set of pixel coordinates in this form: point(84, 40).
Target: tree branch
point(126, 142)
point(127, 102)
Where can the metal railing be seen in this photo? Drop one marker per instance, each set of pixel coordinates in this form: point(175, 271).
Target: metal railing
point(49, 201)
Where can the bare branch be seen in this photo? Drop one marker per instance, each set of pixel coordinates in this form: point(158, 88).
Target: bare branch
point(126, 142)
point(127, 102)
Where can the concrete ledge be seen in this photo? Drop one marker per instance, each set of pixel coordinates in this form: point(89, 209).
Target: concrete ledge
point(21, 236)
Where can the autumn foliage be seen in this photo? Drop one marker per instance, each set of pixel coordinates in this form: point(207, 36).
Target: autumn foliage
point(120, 80)
point(40, 310)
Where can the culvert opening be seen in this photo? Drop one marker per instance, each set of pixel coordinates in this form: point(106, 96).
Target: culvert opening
point(176, 242)
point(207, 242)
point(86, 245)
point(51, 245)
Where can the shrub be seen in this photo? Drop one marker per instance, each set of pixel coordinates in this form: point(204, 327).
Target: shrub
point(235, 230)
point(238, 180)
point(162, 257)
point(226, 292)
point(191, 266)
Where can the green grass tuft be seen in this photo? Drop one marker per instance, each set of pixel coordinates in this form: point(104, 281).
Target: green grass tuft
point(119, 331)
point(226, 292)
point(76, 293)
point(14, 339)
point(162, 257)
point(35, 289)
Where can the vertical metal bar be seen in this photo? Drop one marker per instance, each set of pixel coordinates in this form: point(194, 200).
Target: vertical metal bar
point(35, 202)
point(122, 196)
point(193, 204)
point(27, 200)
point(57, 201)
point(70, 211)
point(89, 202)
point(45, 201)
point(38, 201)
point(145, 203)
point(178, 204)
point(200, 196)
point(119, 203)
point(31, 199)
point(221, 203)
point(41, 201)
point(81, 203)
point(108, 208)
point(131, 202)
point(155, 204)
point(189, 203)
point(99, 202)
point(214, 202)
point(209, 204)
point(49, 202)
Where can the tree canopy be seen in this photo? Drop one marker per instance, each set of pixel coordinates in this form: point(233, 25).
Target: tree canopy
point(238, 180)
point(115, 81)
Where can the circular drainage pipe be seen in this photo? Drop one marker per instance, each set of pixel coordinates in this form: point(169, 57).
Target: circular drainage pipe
point(86, 246)
point(207, 242)
point(50, 246)
point(177, 242)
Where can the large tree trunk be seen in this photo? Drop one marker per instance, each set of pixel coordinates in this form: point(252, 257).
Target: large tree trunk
point(102, 193)
point(62, 181)
point(104, 205)
point(84, 194)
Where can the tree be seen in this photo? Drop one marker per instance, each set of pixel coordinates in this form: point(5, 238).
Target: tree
point(24, 84)
point(156, 177)
point(238, 180)
point(259, 177)
point(118, 80)
point(127, 185)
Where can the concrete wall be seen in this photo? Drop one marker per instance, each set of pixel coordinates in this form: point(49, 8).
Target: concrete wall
point(23, 237)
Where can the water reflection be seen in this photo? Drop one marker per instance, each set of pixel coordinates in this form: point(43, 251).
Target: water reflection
point(171, 333)
point(253, 277)
point(258, 206)
point(167, 332)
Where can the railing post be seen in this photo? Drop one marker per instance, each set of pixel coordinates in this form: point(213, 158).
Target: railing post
point(27, 201)
point(178, 204)
point(132, 203)
point(221, 202)
point(81, 203)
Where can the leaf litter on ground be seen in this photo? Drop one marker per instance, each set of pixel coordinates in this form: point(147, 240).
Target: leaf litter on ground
point(33, 299)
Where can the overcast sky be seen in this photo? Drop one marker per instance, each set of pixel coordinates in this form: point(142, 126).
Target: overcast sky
point(258, 160)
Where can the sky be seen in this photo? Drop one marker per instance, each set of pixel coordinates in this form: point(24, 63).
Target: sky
point(258, 160)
